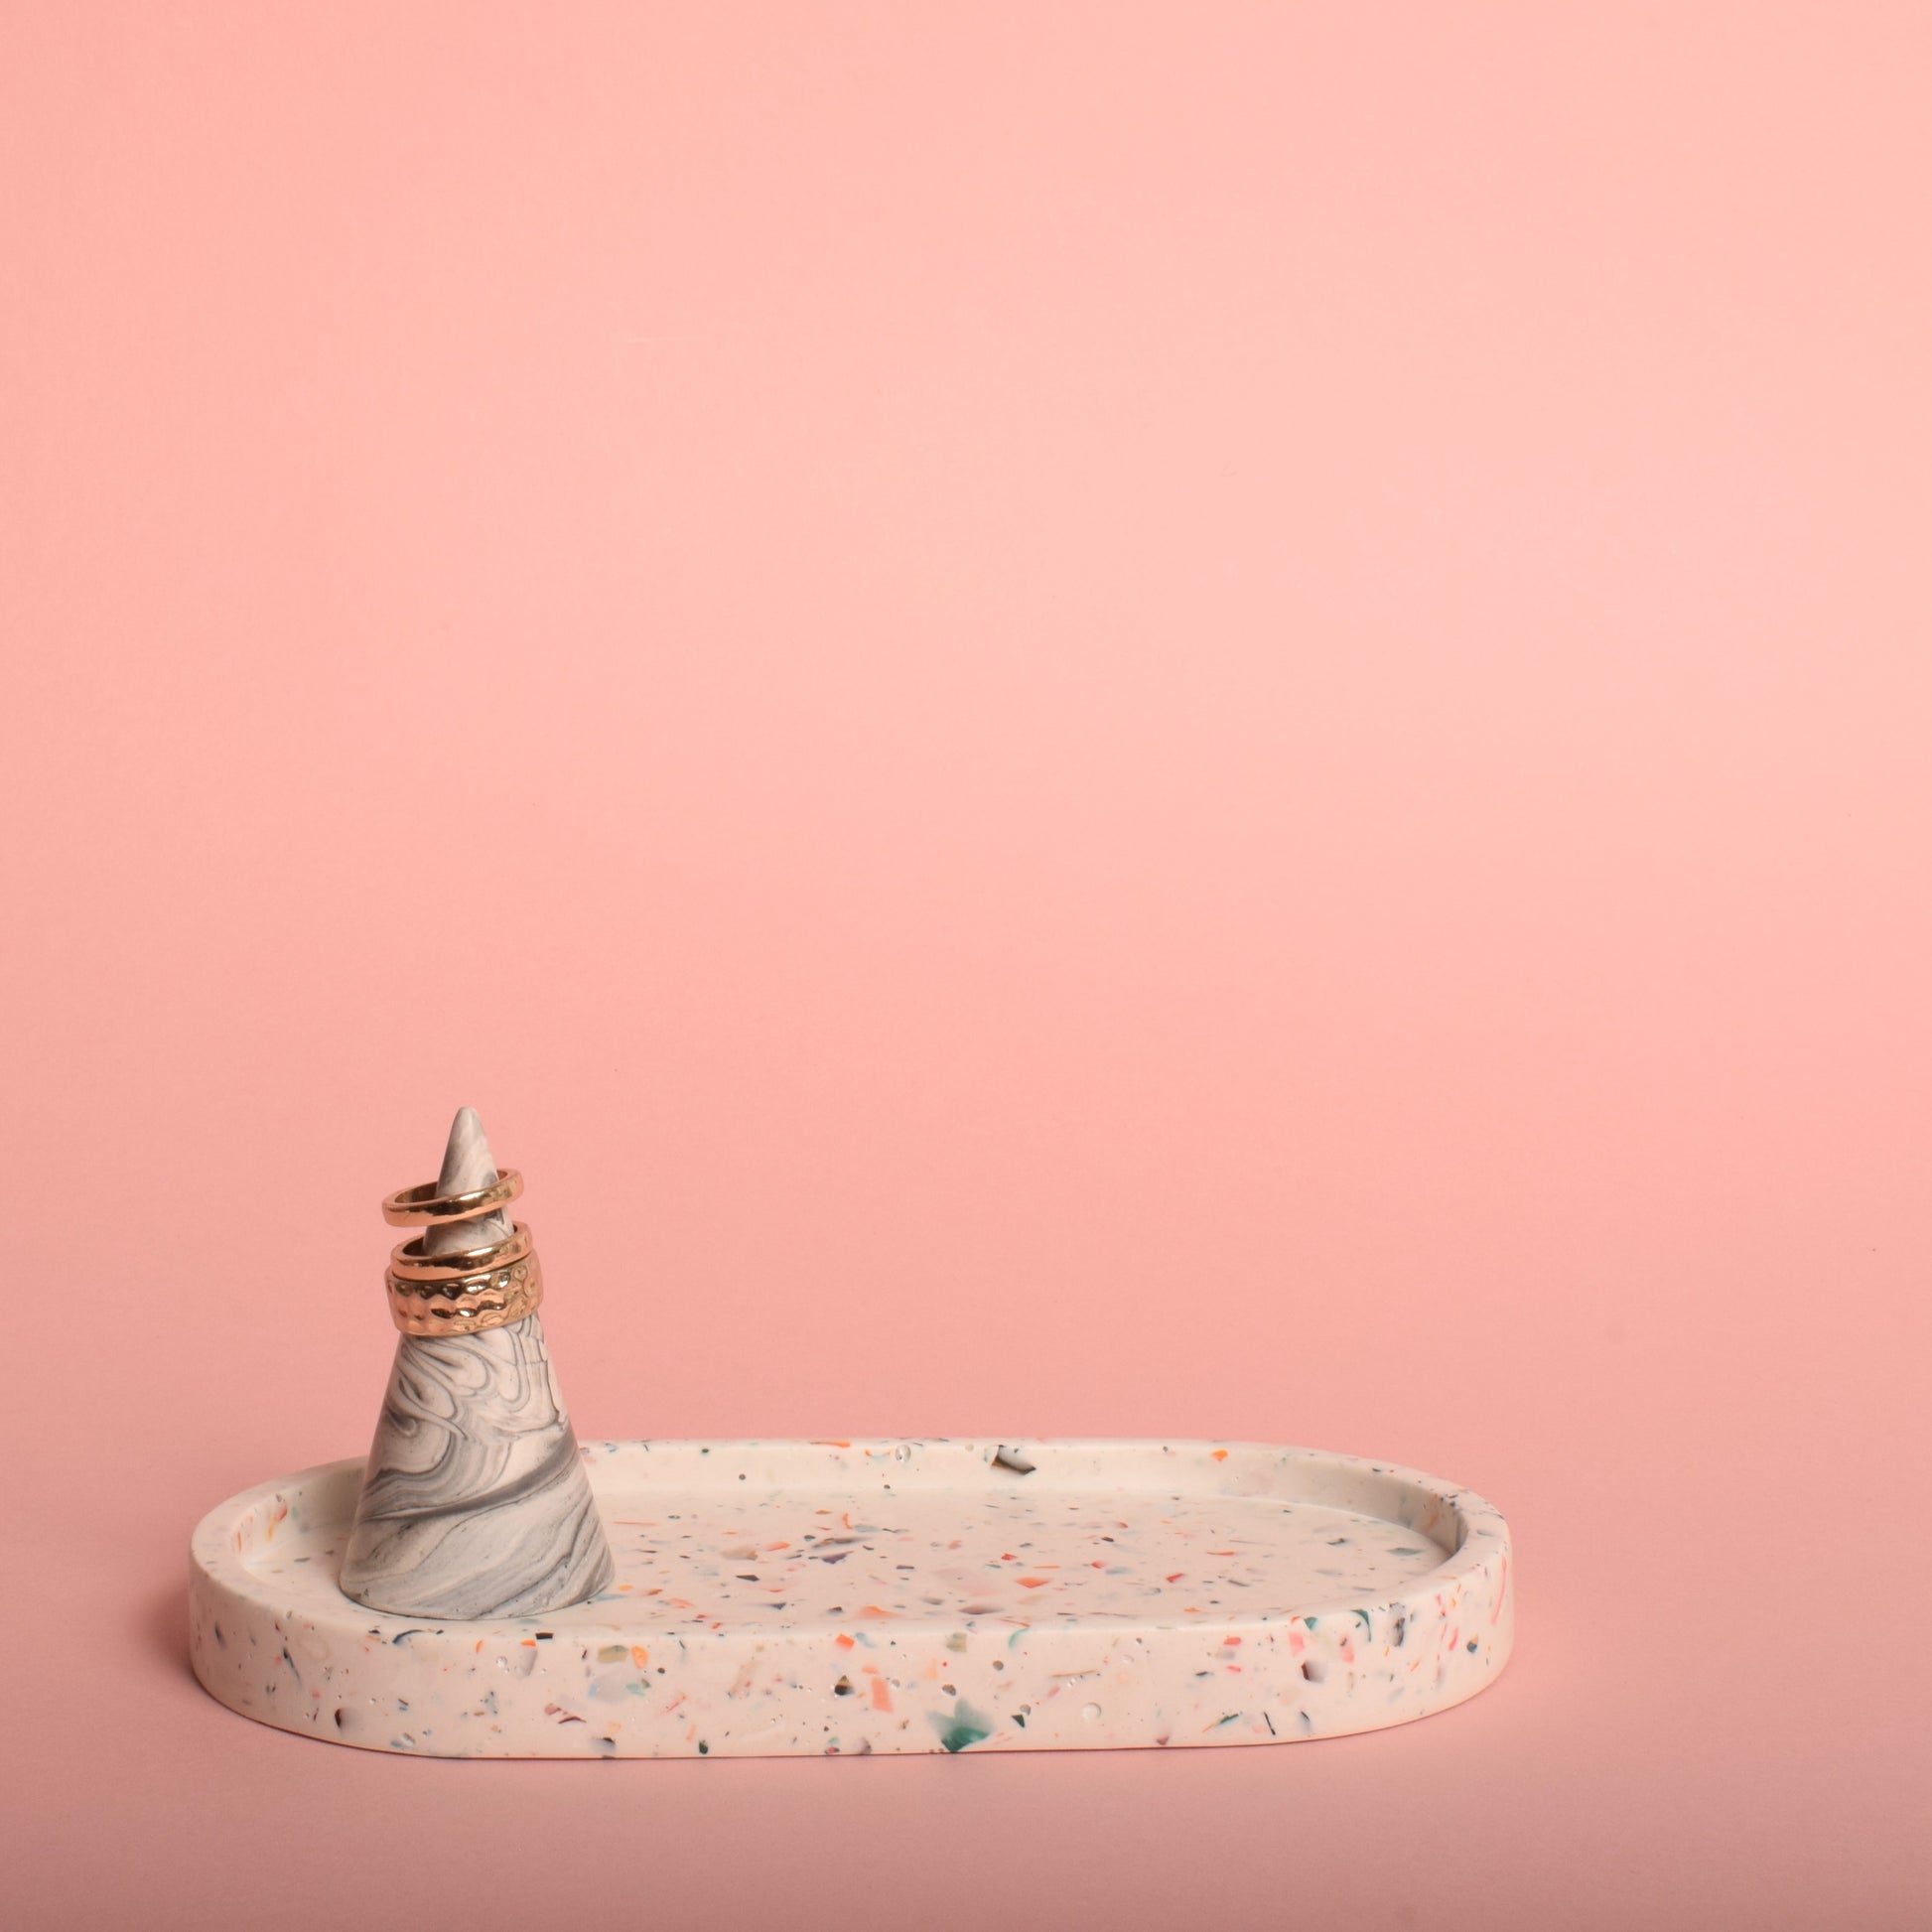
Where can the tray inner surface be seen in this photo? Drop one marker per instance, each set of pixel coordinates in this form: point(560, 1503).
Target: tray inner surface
point(709, 1553)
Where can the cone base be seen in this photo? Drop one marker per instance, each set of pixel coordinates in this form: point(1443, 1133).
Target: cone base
point(475, 1503)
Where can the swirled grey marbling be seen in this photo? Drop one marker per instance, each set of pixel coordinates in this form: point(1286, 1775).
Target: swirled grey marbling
point(476, 1503)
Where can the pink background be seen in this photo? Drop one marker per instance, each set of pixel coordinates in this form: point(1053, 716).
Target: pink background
point(1185, 720)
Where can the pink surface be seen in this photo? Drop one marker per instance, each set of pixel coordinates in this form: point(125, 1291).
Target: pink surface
point(1199, 721)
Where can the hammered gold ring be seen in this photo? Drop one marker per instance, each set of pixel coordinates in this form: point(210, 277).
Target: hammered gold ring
point(466, 1304)
point(422, 1207)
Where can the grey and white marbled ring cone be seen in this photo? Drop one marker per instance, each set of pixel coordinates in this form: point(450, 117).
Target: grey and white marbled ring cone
point(475, 1502)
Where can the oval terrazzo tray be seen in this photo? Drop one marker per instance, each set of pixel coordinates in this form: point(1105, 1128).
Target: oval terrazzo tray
point(792, 1599)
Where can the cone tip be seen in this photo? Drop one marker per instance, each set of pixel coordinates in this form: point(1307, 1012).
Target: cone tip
point(467, 1161)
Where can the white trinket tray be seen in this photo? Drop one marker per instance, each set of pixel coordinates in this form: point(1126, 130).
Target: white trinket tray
point(777, 1598)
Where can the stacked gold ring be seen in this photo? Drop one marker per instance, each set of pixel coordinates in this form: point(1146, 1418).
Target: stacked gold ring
point(466, 1289)
point(423, 1207)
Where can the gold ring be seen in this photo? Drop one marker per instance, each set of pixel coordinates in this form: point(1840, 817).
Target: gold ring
point(466, 1304)
point(409, 1263)
point(422, 1207)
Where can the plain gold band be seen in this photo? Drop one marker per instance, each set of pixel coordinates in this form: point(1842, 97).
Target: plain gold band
point(422, 1207)
point(408, 1261)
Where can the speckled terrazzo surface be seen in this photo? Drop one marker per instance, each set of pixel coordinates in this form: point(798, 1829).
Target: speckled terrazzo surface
point(795, 1597)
